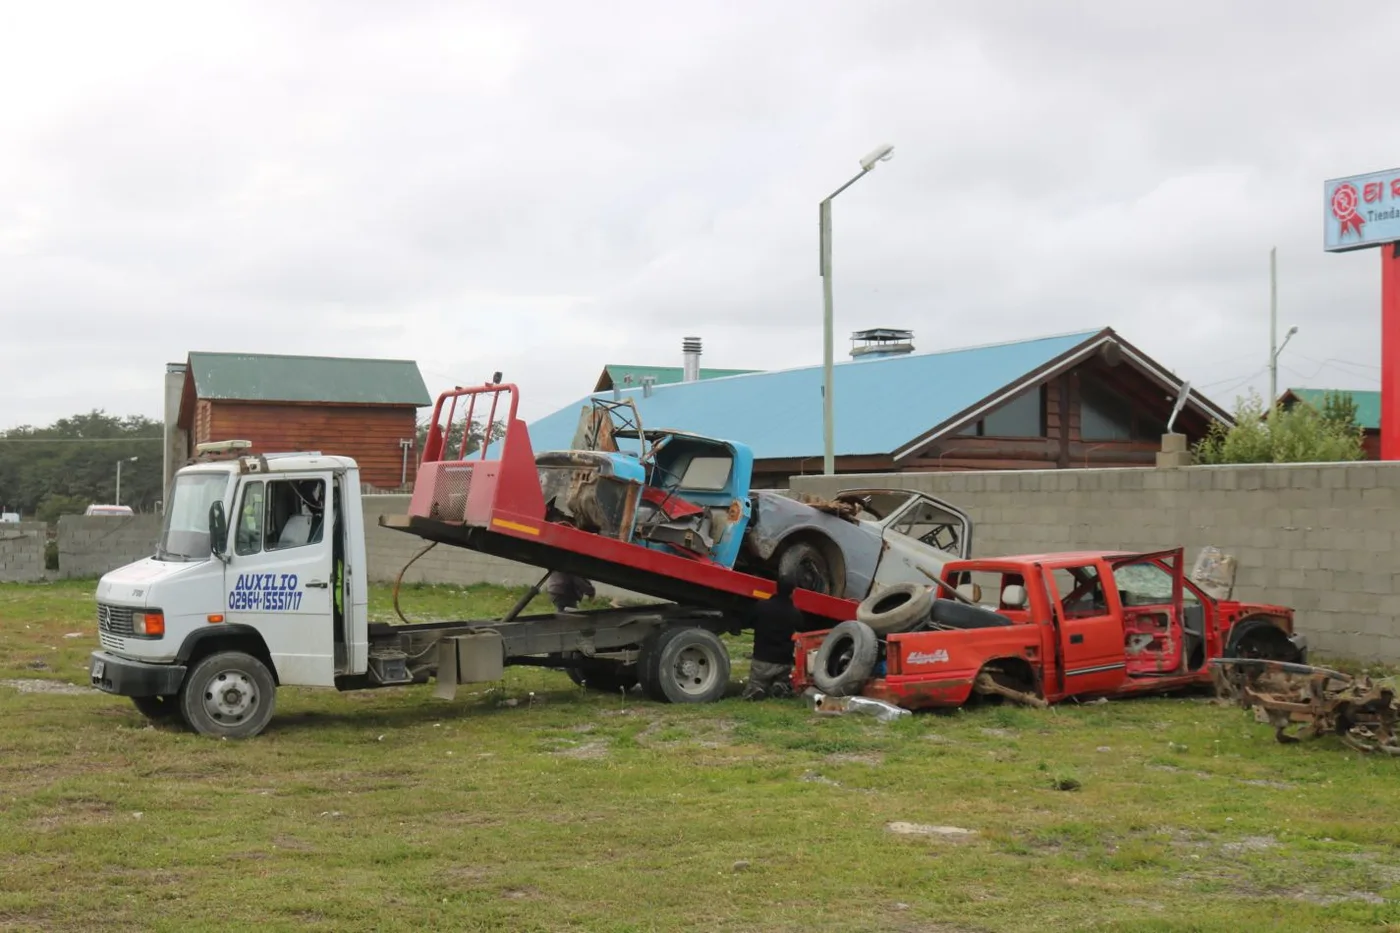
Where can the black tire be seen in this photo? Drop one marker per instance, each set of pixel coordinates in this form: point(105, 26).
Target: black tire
point(646, 665)
point(158, 708)
point(228, 695)
point(960, 615)
point(895, 608)
point(806, 566)
point(1260, 638)
point(607, 676)
point(846, 659)
point(688, 665)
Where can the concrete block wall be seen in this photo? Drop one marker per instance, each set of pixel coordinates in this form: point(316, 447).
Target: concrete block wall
point(91, 545)
point(387, 552)
point(1321, 538)
point(22, 551)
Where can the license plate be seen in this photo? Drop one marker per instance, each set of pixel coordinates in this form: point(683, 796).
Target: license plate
point(97, 668)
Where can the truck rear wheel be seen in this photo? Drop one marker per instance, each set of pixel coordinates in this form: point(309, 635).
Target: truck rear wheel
point(228, 695)
point(686, 665)
point(158, 708)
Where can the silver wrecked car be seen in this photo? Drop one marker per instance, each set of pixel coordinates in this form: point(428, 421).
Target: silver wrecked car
point(848, 545)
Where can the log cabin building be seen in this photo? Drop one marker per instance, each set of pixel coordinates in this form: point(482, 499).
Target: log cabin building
point(360, 408)
point(1087, 399)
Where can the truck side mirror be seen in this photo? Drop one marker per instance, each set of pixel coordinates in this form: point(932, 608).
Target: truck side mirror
point(218, 530)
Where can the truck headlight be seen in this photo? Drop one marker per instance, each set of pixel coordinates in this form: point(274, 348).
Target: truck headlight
point(148, 624)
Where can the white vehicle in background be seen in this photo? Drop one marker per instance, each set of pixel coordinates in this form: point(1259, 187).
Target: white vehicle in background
point(12, 517)
point(109, 510)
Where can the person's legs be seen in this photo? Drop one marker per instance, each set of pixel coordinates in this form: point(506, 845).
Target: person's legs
point(768, 679)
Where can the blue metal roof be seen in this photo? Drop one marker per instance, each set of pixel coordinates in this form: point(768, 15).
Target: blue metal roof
point(881, 404)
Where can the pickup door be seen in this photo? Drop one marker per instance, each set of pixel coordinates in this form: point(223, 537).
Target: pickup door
point(1089, 626)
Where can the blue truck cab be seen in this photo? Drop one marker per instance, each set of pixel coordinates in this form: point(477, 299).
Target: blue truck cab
point(686, 494)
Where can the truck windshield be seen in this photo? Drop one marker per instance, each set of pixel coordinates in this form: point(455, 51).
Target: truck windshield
point(186, 532)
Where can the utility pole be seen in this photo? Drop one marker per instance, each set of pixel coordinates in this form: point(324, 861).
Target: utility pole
point(1273, 327)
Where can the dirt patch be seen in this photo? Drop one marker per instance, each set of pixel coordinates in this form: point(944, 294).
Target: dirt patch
point(47, 686)
point(292, 844)
point(843, 758)
point(520, 894)
point(1327, 900)
point(925, 829)
point(586, 751)
point(1249, 844)
point(812, 777)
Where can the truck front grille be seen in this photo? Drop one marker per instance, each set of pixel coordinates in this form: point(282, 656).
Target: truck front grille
point(114, 619)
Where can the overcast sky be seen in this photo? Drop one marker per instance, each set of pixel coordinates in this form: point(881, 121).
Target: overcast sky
point(543, 186)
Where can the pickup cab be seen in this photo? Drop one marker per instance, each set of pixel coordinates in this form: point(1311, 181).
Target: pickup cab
point(1043, 628)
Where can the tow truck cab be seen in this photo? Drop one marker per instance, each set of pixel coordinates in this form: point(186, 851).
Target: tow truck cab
point(1059, 625)
point(261, 556)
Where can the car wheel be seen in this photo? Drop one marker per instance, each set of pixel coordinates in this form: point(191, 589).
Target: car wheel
point(960, 615)
point(806, 566)
point(846, 659)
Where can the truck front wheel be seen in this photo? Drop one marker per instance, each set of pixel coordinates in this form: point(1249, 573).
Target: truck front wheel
point(228, 695)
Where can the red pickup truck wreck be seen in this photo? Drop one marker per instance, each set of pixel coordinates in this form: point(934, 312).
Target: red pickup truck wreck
point(1039, 629)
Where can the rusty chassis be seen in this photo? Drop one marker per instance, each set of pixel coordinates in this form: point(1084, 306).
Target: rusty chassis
point(1316, 700)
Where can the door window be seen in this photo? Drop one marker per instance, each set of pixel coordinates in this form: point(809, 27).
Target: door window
point(247, 539)
point(1081, 592)
point(1148, 584)
point(280, 514)
point(926, 522)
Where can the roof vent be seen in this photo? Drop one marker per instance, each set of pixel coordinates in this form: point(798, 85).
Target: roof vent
point(690, 350)
point(880, 342)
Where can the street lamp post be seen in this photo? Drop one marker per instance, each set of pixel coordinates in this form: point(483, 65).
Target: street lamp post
point(883, 154)
point(1274, 347)
point(119, 477)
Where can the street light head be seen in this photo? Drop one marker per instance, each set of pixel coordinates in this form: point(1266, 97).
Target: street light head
point(883, 154)
point(1292, 330)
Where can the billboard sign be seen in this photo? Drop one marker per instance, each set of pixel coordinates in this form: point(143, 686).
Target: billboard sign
point(1361, 211)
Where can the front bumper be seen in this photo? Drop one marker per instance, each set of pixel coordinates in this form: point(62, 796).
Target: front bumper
point(128, 678)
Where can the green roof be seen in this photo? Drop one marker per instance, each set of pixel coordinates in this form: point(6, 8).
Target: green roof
point(1368, 404)
point(624, 376)
point(264, 377)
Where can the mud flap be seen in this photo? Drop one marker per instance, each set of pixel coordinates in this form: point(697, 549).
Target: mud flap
point(474, 658)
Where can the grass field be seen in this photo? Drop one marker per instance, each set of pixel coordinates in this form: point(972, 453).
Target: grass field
point(391, 811)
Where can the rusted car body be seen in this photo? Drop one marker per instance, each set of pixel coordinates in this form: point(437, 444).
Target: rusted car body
point(1314, 700)
point(1055, 626)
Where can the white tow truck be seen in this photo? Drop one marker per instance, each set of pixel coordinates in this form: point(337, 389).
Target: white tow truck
point(258, 581)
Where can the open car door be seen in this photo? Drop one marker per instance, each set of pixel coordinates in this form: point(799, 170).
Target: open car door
point(1149, 587)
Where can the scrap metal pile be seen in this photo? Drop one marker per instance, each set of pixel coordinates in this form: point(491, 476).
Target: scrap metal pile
point(1316, 700)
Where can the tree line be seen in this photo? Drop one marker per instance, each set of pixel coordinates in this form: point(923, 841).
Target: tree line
point(63, 468)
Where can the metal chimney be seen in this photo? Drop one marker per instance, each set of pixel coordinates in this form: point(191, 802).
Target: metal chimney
point(690, 348)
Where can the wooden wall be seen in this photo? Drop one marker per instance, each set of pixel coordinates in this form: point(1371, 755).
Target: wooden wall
point(370, 434)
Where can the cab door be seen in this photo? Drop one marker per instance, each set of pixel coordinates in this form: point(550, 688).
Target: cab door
point(279, 575)
point(924, 533)
point(1090, 632)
